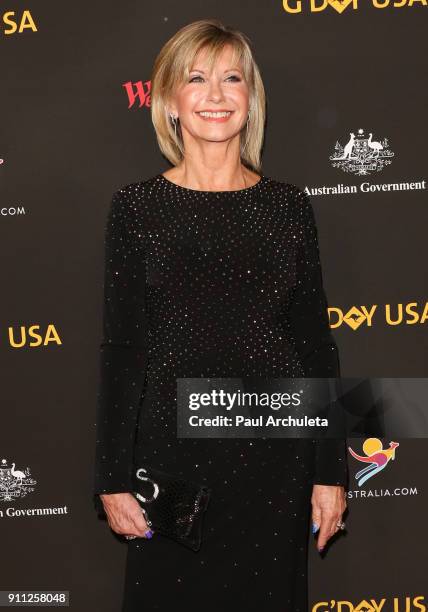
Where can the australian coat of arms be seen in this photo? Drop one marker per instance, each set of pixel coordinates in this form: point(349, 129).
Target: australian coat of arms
point(14, 483)
point(362, 155)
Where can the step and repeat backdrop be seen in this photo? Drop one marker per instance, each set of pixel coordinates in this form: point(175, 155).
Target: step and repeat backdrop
point(346, 96)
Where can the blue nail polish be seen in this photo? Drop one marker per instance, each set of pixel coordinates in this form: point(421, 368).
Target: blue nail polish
point(149, 534)
point(315, 527)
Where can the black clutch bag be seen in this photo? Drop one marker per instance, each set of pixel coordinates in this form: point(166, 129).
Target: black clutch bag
point(173, 507)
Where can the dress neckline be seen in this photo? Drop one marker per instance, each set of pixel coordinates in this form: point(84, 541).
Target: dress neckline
point(188, 189)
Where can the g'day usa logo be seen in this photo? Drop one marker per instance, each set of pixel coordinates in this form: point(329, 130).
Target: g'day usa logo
point(14, 483)
point(318, 6)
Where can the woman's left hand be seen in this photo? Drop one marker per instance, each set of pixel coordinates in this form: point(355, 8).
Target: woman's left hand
point(328, 505)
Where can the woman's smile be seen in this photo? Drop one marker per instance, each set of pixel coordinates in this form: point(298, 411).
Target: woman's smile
point(216, 116)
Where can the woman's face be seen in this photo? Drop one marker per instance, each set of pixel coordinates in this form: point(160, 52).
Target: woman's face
point(223, 91)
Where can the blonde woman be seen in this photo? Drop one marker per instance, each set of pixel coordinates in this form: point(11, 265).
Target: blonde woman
point(212, 269)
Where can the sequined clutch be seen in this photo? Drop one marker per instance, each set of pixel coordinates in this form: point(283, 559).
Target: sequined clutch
point(173, 506)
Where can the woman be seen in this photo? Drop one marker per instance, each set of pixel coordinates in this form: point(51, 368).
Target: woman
point(212, 269)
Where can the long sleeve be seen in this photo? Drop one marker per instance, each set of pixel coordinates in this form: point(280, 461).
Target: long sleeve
point(308, 318)
point(123, 349)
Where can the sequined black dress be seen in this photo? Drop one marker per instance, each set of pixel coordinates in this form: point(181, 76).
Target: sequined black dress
point(204, 283)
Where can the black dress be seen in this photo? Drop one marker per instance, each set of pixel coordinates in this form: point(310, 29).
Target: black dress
point(220, 284)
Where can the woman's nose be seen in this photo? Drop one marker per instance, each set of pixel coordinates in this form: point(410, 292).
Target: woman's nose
point(215, 91)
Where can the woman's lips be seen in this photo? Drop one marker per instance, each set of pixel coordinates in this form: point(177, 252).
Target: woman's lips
point(216, 119)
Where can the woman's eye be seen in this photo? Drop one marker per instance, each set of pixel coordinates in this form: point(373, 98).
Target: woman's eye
point(233, 76)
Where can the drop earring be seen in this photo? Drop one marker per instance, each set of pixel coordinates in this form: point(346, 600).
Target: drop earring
point(246, 130)
point(174, 121)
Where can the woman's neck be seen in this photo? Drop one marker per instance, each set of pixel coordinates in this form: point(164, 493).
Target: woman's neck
point(201, 177)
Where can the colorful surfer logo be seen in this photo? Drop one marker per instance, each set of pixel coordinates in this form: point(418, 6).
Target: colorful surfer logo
point(376, 456)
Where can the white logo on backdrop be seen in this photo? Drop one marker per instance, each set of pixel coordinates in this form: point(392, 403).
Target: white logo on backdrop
point(14, 483)
point(362, 155)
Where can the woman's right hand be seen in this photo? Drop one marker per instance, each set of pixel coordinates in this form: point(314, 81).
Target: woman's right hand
point(124, 514)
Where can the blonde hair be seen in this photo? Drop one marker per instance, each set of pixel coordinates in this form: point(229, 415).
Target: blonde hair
point(171, 69)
